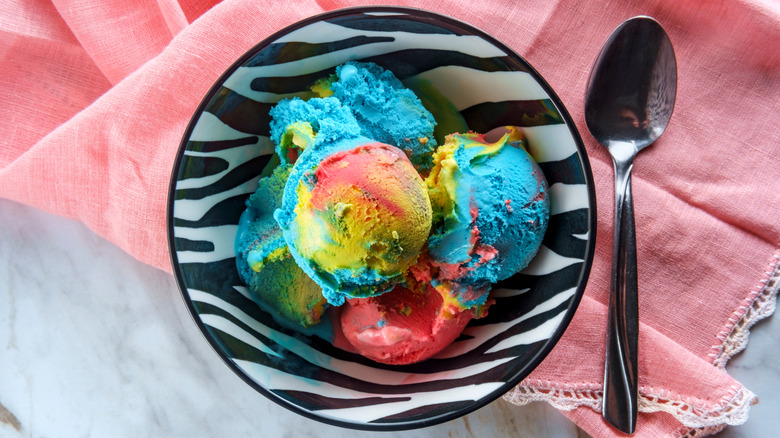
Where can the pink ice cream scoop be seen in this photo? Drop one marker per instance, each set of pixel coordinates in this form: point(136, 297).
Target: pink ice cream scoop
point(403, 326)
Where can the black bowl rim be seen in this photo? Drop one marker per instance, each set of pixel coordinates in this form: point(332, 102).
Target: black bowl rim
point(525, 370)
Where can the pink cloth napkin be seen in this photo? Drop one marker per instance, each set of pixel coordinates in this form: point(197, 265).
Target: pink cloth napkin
point(96, 97)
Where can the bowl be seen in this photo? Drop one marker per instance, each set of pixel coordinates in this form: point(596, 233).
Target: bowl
point(477, 80)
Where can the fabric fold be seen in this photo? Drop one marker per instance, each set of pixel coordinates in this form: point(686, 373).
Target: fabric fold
point(121, 36)
point(694, 391)
point(112, 161)
point(47, 76)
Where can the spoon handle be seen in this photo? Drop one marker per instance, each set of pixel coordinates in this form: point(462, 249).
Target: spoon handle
point(619, 406)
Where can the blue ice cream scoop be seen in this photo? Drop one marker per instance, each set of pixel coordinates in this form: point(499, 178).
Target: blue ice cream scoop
point(490, 212)
point(384, 108)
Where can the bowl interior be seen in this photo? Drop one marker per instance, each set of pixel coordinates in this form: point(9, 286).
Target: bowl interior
point(467, 80)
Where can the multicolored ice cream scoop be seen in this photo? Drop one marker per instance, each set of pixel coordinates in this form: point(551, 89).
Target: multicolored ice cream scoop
point(264, 262)
point(490, 212)
point(355, 216)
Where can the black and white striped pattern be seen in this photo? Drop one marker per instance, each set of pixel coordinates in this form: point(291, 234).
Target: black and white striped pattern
point(227, 145)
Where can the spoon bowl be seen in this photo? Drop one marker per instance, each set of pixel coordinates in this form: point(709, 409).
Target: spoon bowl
point(632, 86)
point(628, 105)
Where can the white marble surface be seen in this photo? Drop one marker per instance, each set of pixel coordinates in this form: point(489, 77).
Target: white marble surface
point(96, 344)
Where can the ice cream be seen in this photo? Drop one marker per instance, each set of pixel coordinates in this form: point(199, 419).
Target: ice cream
point(364, 212)
point(385, 110)
point(356, 211)
point(356, 219)
point(360, 106)
point(264, 263)
point(490, 212)
point(403, 326)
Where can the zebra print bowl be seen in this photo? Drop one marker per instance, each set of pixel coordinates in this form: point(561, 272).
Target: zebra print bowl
point(226, 145)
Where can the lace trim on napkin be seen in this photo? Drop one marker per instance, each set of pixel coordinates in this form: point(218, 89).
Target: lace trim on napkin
point(734, 338)
point(699, 420)
point(704, 420)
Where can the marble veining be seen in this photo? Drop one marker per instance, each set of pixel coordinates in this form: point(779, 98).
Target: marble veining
point(94, 343)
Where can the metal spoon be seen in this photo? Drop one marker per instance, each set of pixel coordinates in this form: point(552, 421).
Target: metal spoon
point(628, 104)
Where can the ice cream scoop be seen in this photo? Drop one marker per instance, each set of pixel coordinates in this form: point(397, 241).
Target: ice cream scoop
point(264, 262)
point(320, 123)
point(356, 218)
point(384, 108)
point(490, 212)
point(403, 326)
point(355, 212)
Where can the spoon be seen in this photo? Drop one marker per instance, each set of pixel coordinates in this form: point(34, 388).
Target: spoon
point(628, 104)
